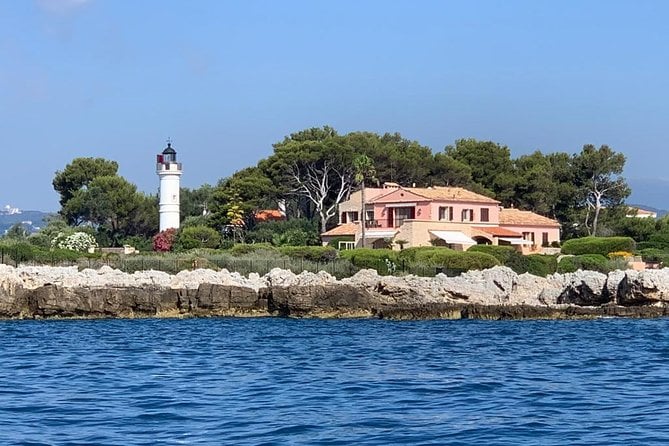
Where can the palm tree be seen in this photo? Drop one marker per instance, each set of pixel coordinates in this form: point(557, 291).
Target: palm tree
point(363, 168)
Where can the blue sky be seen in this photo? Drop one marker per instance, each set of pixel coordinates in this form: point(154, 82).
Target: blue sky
point(225, 80)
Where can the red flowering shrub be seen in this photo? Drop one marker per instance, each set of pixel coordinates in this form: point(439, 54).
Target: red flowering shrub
point(163, 241)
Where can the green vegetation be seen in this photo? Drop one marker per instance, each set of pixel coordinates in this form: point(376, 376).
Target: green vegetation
point(598, 245)
point(590, 262)
point(308, 174)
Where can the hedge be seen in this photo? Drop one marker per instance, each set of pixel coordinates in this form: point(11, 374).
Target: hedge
point(242, 248)
point(588, 262)
point(410, 254)
point(382, 260)
point(659, 240)
point(313, 253)
point(598, 245)
point(541, 265)
point(456, 260)
point(507, 256)
point(655, 255)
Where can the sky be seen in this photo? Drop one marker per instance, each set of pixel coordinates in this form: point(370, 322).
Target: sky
point(225, 80)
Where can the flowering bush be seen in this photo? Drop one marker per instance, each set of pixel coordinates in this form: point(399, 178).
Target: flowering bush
point(620, 255)
point(78, 241)
point(163, 241)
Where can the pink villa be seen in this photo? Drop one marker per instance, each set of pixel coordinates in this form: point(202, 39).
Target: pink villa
point(437, 216)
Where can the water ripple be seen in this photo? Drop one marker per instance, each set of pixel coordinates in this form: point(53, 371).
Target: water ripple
point(334, 382)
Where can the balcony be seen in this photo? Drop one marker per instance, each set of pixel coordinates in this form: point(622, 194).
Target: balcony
point(372, 224)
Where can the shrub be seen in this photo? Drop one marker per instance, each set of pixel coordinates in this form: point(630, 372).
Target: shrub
point(194, 237)
point(410, 254)
point(56, 255)
point(659, 240)
point(382, 260)
point(598, 245)
point(139, 243)
point(587, 262)
point(313, 253)
point(541, 265)
point(506, 255)
point(244, 248)
point(456, 260)
point(655, 255)
point(619, 255)
point(285, 232)
point(20, 252)
point(77, 241)
point(163, 241)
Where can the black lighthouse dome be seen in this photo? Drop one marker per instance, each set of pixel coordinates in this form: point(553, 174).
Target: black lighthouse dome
point(169, 154)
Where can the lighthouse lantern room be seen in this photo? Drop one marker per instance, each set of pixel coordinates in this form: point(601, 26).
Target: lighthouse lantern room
point(169, 172)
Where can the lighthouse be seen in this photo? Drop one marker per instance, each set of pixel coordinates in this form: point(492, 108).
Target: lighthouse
point(169, 172)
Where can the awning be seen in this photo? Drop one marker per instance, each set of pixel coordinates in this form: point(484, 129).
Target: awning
point(516, 241)
point(455, 237)
point(380, 234)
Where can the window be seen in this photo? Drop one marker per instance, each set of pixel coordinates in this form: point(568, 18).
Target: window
point(544, 239)
point(346, 245)
point(468, 215)
point(446, 213)
point(343, 217)
point(528, 236)
point(402, 214)
point(485, 214)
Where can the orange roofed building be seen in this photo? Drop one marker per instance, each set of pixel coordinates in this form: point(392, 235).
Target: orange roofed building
point(437, 216)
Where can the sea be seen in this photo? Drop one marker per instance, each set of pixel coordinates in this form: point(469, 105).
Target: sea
point(274, 381)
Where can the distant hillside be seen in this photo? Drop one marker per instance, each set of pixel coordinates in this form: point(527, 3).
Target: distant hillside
point(653, 193)
point(31, 220)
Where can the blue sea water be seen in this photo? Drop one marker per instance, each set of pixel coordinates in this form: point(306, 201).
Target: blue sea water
point(334, 382)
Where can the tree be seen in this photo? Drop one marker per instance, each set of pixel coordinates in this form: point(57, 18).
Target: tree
point(76, 177)
point(111, 202)
point(363, 169)
point(195, 202)
point(491, 166)
point(396, 159)
point(315, 166)
point(16, 232)
point(599, 177)
point(447, 171)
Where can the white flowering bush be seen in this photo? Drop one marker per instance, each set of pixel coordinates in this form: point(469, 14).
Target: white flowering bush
point(78, 241)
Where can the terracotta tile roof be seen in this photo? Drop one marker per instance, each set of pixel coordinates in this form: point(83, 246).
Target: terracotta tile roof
point(343, 229)
point(451, 194)
point(435, 193)
point(498, 232)
point(524, 218)
point(268, 214)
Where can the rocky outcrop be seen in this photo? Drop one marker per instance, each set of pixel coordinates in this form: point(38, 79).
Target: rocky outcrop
point(496, 293)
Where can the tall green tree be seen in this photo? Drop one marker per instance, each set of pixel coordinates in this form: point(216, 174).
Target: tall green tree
point(600, 180)
point(195, 202)
point(111, 202)
point(396, 159)
point(315, 166)
point(77, 176)
point(491, 166)
point(447, 171)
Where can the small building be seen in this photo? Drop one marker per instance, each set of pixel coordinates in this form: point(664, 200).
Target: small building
point(437, 216)
point(640, 213)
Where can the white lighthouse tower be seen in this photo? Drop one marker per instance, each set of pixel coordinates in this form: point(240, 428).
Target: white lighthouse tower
point(169, 172)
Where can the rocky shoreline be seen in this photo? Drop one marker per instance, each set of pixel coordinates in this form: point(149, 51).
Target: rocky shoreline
point(497, 293)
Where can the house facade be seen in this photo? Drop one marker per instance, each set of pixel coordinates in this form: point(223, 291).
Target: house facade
point(397, 217)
